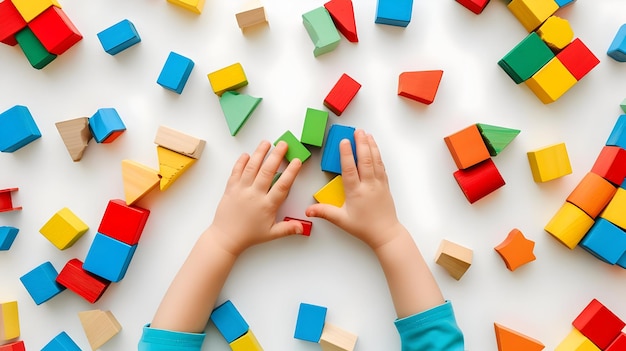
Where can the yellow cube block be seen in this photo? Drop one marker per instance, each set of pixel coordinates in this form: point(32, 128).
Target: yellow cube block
point(195, 6)
point(64, 229)
point(569, 225)
point(532, 13)
point(9, 321)
point(228, 78)
point(549, 163)
point(29, 9)
point(247, 342)
point(551, 81)
point(576, 341)
point(556, 33)
point(615, 211)
point(332, 193)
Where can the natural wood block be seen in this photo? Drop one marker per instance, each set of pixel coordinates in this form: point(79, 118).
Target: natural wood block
point(76, 135)
point(138, 180)
point(592, 194)
point(252, 14)
point(228, 78)
point(511, 340)
point(331, 193)
point(569, 225)
point(336, 339)
point(467, 147)
point(456, 259)
point(550, 162)
point(99, 327)
point(180, 142)
point(171, 166)
point(516, 250)
point(64, 229)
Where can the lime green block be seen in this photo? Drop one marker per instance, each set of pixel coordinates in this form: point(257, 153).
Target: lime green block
point(35, 52)
point(496, 138)
point(296, 148)
point(322, 30)
point(526, 58)
point(314, 127)
point(237, 109)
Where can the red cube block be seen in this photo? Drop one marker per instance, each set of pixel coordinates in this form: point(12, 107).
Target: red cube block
point(55, 31)
point(619, 344)
point(598, 324)
point(12, 22)
point(122, 222)
point(341, 94)
point(476, 6)
point(87, 285)
point(611, 164)
point(14, 346)
point(306, 225)
point(578, 59)
point(479, 181)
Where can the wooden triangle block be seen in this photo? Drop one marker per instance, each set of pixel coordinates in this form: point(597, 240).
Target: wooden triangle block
point(496, 138)
point(99, 327)
point(237, 108)
point(516, 250)
point(510, 340)
point(179, 142)
point(420, 86)
point(76, 135)
point(172, 165)
point(342, 13)
point(138, 180)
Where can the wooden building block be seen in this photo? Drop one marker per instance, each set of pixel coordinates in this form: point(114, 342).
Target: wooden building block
point(306, 225)
point(195, 6)
point(99, 326)
point(228, 78)
point(456, 259)
point(563, 3)
point(33, 49)
point(615, 210)
point(598, 324)
point(310, 322)
point(229, 321)
point(7, 236)
point(12, 22)
point(496, 138)
point(175, 72)
point(84, 284)
point(532, 13)
point(569, 225)
point(61, 342)
point(247, 342)
point(55, 30)
point(617, 49)
point(592, 194)
point(420, 86)
point(619, 344)
point(76, 136)
point(556, 32)
point(296, 149)
point(119, 37)
point(618, 134)
point(321, 29)
point(476, 6)
point(341, 94)
point(14, 346)
point(106, 125)
point(331, 193)
point(180, 142)
point(526, 58)
point(551, 81)
point(252, 14)
point(29, 9)
point(171, 166)
point(41, 283)
point(9, 321)
point(606, 241)
point(394, 12)
point(64, 229)
point(511, 340)
point(550, 162)
point(479, 181)
point(138, 180)
point(17, 129)
point(342, 13)
point(237, 109)
point(611, 164)
point(108, 258)
point(6, 200)
point(123, 222)
point(578, 59)
point(314, 126)
point(336, 339)
point(467, 147)
point(330, 154)
point(576, 341)
point(516, 250)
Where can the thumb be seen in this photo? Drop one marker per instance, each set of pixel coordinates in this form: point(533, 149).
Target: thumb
point(331, 213)
point(285, 228)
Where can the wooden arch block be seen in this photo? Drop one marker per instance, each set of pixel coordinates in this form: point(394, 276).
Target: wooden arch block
point(516, 250)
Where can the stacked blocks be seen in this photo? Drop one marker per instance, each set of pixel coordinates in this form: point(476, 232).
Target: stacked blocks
point(9, 321)
point(76, 136)
point(551, 81)
point(106, 125)
point(237, 109)
point(549, 163)
point(55, 31)
point(331, 161)
point(341, 94)
point(35, 52)
point(228, 78)
point(569, 225)
point(234, 328)
point(511, 340)
point(342, 13)
point(611, 164)
point(99, 326)
point(119, 37)
point(41, 283)
point(394, 12)
point(516, 250)
point(296, 148)
point(172, 164)
point(454, 258)
point(12, 23)
point(597, 325)
point(467, 147)
point(420, 86)
point(7, 236)
point(6, 200)
point(194, 6)
point(314, 127)
point(180, 142)
point(617, 49)
point(331, 193)
point(253, 14)
point(321, 29)
point(61, 342)
point(306, 225)
point(175, 72)
point(310, 323)
point(64, 229)
point(605, 240)
point(17, 129)
point(592, 194)
point(556, 33)
point(476, 6)
point(84, 284)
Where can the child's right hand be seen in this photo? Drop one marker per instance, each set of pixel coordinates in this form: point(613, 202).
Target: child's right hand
point(368, 212)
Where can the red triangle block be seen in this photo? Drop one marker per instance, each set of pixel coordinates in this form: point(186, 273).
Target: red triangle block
point(420, 86)
point(342, 13)
point(510, 340)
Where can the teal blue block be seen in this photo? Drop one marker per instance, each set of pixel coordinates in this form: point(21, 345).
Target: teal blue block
point(7, 236)
point(394, 12)
point(322, 30)
point(17, 129)
point(175, 72)
point(108, 258)
point(229, 321)
point(106, 125)
point(622, 261)
point(331, 161)
point(41, 283)
point(310, 323)
point(119, 37)
point(61, 342)
point(563, 3)
point(606, 241)
point(617, 49)
point(618, 134)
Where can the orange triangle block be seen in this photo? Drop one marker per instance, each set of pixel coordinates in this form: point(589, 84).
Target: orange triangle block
point(138, 180)
point(172, 165)
point(420, 86)
point(510, 340)
point(342, 13)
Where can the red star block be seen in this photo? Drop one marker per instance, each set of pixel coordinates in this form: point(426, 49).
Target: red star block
point(516, 250)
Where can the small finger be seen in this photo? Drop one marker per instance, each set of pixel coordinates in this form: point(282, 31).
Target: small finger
point(255, 162)
point(270, 166)
point(279, 191)
point(379, 166)
point(364, 155)
point(349, 171)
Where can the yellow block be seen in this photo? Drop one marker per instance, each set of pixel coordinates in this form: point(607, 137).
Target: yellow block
point(615, 211)
point(247, 342)
point(332, 193)
point(9, 321)
point(551, 81)
point(228, 78)
point(569, 225)
point(64, 229)
point(532, 13)
point(138, 180)
point(556, 33)
point(576, 341)
point(191, 5)
point(549, 163)
point(29, 9)
point(172, 165)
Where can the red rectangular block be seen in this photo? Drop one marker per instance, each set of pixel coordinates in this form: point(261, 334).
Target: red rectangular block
point(11, 22)
point(578, 59)
point(55, 31)
point(341, 94)
point(14, 346)
point(122, 222)
point(598, 324)
point(306, 225)
point(611, 164)
point(479, 181)
point(87, 285)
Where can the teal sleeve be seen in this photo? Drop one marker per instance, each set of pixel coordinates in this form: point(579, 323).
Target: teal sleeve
point(433, 330)
point(165, 340)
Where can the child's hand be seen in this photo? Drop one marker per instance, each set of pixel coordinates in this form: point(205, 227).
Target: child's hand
point(246, 214)
point(369, 212)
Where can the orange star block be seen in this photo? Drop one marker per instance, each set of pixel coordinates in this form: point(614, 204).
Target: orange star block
point(516, 250)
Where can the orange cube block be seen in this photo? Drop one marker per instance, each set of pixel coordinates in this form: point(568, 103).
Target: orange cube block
point(467, 147)
point(592, 194)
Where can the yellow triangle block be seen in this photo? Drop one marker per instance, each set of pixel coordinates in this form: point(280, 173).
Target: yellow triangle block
point(172, 165)
point(510, 340)
point(138, 180)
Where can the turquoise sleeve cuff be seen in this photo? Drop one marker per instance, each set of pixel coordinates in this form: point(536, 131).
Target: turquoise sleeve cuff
point(166, 340)
point(434, 329)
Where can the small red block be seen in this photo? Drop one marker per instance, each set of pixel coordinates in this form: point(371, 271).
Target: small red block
point(611, 164)
point(479, 181)
point(619, 344)
point(476, 6)
point(55, 31)
point(14, 346)
point(598, 324)
point(420, 86)
point(306, 225)
point(342, 93)
point(342, 13)
point(87, 285)
point(578, 59)
point(122, 222)
point(6, 200)
point(11, 22)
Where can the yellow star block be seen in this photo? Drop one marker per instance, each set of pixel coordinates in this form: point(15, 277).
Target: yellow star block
point(332, 193)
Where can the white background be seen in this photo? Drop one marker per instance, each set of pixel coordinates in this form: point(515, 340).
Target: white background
point(330, 268)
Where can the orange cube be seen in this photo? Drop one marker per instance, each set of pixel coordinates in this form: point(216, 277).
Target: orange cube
point(467, 147)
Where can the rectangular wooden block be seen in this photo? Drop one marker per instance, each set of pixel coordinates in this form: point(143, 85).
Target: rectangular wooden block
point(617, 49)
point(41, 283)
point(310, 322)
point(550, 162)
point(180, 142)
point(476, 6)
point(578, 59)
point(7, 236)
point(122, 222)
point(526, 58)
point(29, 9)
point(247, 342)
point(108, 258)
point(106, 125)
point(330, 153)
point(84, 284)
point(598, 324)
point(55, 30)
point(61, 342)
point(14, 346)
point(9, 321)
point(119, 37)
point(606, 241)
point(569, 225)
point(331, 193)
point(17, 128)
point(618, 134)
point(576, 341)
point(175, 72)
point(611, 164)
point(342, 94)
point(314, 127)
point(195, 6)
point(228, 78)
point(551, 81)
point(252, 14)
point(229, 322)
point(12, 22)
point(615, 211)
point(394, 12)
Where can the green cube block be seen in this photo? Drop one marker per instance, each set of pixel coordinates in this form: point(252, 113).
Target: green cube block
point(314, 127)
point(35, 52)
point(322, 30)
point(296, 148)
point(526, 58)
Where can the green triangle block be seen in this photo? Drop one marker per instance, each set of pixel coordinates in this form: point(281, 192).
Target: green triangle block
point(496, 138)
point(623, 105)
point(237, 108)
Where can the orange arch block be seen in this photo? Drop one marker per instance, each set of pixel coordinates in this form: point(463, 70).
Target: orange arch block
point(516, 250)
point(510, 340)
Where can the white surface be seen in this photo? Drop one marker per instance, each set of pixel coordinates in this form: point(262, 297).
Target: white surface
point(329, 268)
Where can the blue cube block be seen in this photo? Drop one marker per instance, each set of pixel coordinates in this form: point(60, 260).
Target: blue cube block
point(41, 283)
point(108, 258)
point(330, 154)
point(119, 37)
point(311, 319)
point(618, 134)
point(622, 261)
point(175, 72)
point(394, 12)
point(617, 50)
point(61, 342)
point(229, 321)
point(17, 129)
point(605, 241)
point(7, 236)
point(106, 125)
point(563, 3)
